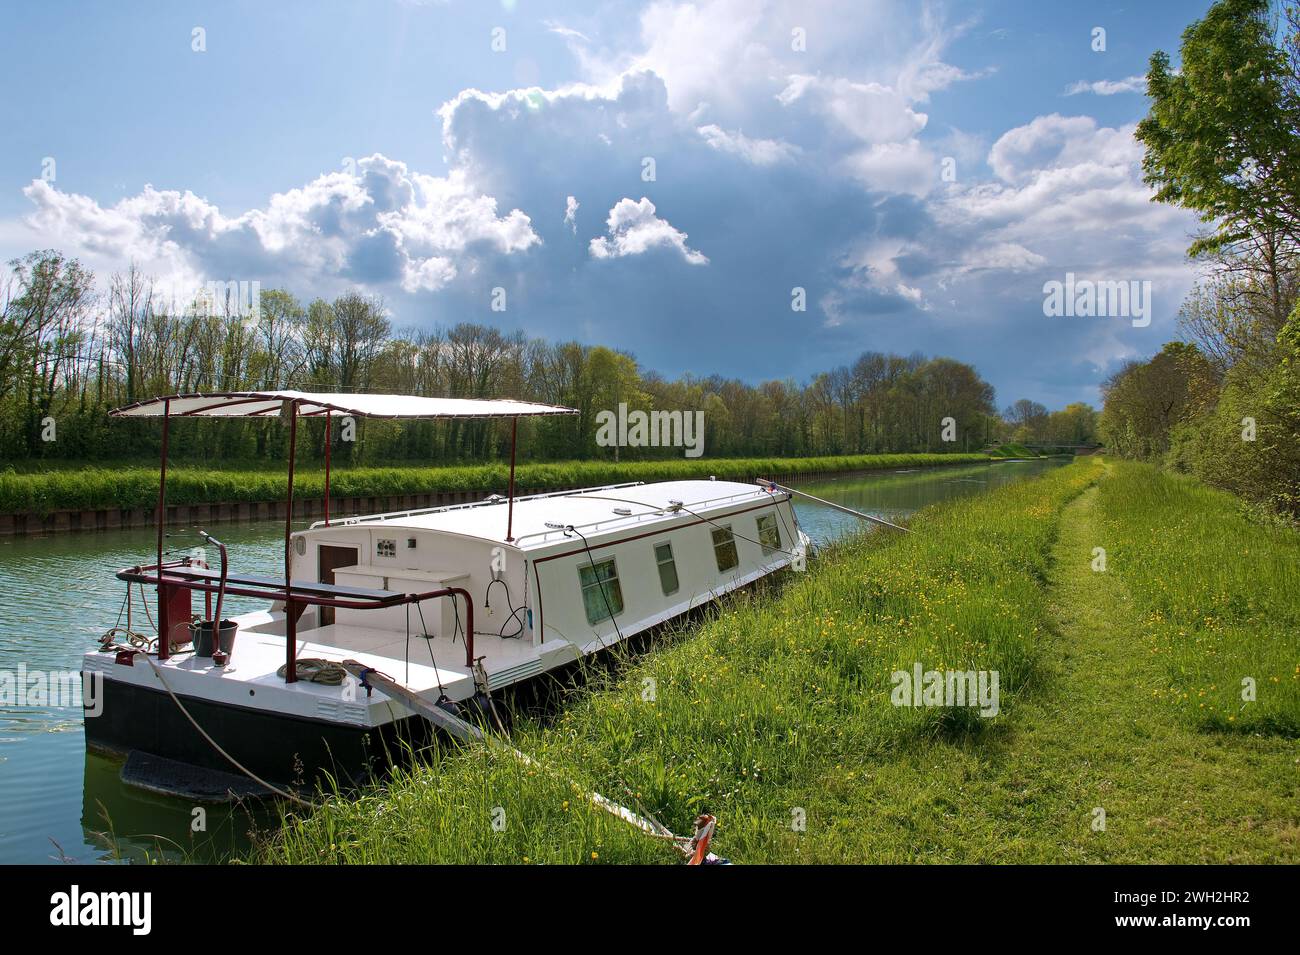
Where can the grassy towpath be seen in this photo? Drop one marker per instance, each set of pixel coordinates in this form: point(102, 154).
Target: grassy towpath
point(1172, 792)
point(1092, 737)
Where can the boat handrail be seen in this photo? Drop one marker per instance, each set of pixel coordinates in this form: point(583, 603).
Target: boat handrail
point(653, 512)
point(489, 501)
point(182, 576)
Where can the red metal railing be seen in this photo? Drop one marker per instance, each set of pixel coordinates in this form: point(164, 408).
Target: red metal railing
point(317, 595)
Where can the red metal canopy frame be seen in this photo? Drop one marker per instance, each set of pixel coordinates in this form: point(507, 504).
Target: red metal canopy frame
point(287, 404)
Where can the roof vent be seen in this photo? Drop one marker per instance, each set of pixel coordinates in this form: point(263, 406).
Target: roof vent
point(624, 511)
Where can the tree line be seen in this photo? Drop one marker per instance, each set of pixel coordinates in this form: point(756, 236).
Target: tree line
point(69, 353)
point(1220, 137)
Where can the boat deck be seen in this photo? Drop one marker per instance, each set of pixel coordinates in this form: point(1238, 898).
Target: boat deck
point(339, 642)
point(260, 652)
point(251, 679)
point(259, 655)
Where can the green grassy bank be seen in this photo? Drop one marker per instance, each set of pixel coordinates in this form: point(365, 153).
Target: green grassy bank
point(776, 714)
point(93, 488)
point(1218, 597)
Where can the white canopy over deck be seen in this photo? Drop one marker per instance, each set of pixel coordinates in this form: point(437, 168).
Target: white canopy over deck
point(267, 404)
point(293, 405)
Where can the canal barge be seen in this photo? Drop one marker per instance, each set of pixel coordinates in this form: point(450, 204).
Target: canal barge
point(455, 603)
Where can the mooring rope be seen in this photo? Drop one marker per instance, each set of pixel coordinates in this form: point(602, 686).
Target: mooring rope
point(316, 670)
point(137, 641)
point(694, 848)
point(772, 485)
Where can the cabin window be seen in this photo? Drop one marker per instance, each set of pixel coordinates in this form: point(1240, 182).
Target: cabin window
point(595, 579)
point(667, 568)
point(724, 548)
point(769, 535)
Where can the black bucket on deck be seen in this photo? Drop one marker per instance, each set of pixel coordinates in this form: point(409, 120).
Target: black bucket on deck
point(202, 630)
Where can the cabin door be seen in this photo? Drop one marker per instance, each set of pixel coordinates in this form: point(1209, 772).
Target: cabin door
point(329, 558)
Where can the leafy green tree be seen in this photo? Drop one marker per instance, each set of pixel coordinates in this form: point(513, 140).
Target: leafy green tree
point(1146, 400)
point(1220, 140)
point(1074, 424)
point(1220, 136)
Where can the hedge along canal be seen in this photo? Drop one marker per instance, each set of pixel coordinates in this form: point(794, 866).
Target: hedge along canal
point(60, 596)
point(112, 499)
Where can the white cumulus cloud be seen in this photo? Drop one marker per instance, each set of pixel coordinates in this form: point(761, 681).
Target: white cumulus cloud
point(1130, 84)
point(633, 228)
point(378, 224)
point(760, 152)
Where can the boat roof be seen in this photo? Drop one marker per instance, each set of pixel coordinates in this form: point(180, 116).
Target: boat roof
point(591, 511)
point(269, 404)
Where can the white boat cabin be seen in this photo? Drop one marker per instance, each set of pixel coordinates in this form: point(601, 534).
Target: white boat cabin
point(584, 570)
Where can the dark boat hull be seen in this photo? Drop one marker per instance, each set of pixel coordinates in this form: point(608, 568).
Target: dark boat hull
point(281, 749)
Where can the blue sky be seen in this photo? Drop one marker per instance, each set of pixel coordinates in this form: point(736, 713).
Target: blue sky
point(387, 145)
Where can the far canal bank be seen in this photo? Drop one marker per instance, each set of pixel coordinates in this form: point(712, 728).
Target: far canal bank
point(102, 499)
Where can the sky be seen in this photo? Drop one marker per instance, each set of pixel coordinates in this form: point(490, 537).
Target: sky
point(755, 189)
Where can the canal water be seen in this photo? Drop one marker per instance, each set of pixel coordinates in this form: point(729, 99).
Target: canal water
point(58, 596)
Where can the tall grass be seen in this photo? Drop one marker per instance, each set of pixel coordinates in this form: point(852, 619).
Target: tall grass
point(771, 709)
point(93, 488)
point(1219, 595)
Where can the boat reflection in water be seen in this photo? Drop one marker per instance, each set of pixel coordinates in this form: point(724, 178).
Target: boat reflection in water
point(128, 824)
